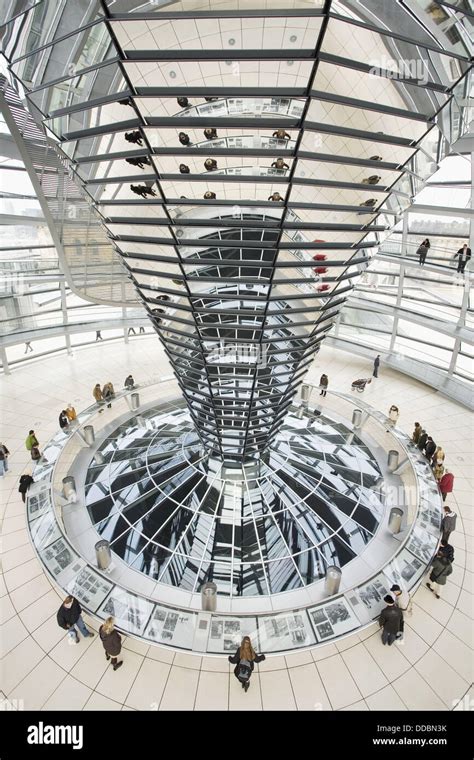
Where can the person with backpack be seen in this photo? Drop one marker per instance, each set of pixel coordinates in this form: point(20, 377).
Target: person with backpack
point(25, 482)
point(32, 445)
point(441, 568)
point(244, 660)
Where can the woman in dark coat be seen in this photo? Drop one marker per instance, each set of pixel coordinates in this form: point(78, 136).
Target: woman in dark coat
point(244, 660)
point(25, 482)
point(441, 568)
point(112, 642)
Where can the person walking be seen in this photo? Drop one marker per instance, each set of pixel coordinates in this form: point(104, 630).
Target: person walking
point(131, 330)
point(441, 569)
point(390, 620)
point(423, 251)
point(143, 190)
point(463, 255)
point(416, 433)
point(323, 384)
point(32, 445)
point(140, 161)
point(446, 483)
point(430, 448)
point(374, 179)
point(244, 660)
point(403, 602)
point(134, 137)
point(25, 482)
point(448, 524)
point(393, 415)
point(68, 616)
point(111, 641)
point(71, 413)
point(98, 335)
point(129, 383)
point(375, 373)
point(28, 346)
point(63, 420)
point(3, 459)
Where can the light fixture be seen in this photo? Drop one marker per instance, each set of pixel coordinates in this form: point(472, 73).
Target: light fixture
point(232, 41)
point(172, 74)
point(290, 63)
point(293, 38)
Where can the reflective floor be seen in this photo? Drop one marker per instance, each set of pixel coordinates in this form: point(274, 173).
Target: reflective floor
point(432, 670)
point(183, 519)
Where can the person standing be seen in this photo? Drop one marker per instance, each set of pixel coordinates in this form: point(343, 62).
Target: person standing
point(438, 471)
point(393, 415)
point(323, 384)
point(108, 394)
point(403, 602)
point(416, 433)
point(63, 420)
point(446, 484)
point(463, 255)
point(97, 393)
point(71, 413)
point(441, 569)
point(111, 641)
point(25, 482)
point(448, 524)
point(430, 448)
point(439, 456)
point(244, 660)
point(69, 615)
point(32, 445)
point(375, 373)
point(390, 620)
point(4, 454)
point(184, 138)
point(422, 439)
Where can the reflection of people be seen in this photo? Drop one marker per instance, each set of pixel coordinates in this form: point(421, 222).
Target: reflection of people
point(143, 190)
point(374, 179)
point(280, 164)
point(98, 335)
point(184, 169)
point(28, 346)
point(208, 195)
point(210, 133)
point(131, 330)
point(244, 660)
point(323, 384)
point(183, 102)
point(210, 164)
point(375, 373)
point(464, 255)
point(141, 330)
point(423, 251)
point(275, 197)
point(134, 137)
point(184, 138)
point(281, 134)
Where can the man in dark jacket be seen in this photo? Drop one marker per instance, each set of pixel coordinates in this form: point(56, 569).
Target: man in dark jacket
point(446, 550)
point(464, 255)
point(69, 615)
point(422, 440)
point(430, 448)
point(25, 482)
point(375, 373)
point(391, 620)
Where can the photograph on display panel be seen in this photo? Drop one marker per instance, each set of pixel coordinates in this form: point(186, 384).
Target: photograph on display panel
point(422, 544)
point(333, 619)
point(226, 634)
point(131, 612)
point(89, 588)
point(39, 500)
point(171, 627)
point(367, 600)
point(45, 530)
point(289, 630)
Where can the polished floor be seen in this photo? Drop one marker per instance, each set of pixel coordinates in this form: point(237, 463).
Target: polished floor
point(430, 670)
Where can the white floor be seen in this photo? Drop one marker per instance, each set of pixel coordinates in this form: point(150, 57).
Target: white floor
point(430, 670)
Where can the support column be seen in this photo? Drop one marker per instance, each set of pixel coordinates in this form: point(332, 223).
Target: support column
point(401, 278)
point(62, 288)
point(3, 355)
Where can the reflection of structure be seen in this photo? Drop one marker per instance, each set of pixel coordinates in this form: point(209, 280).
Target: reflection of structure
point(174, 513)
point(241, 279)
